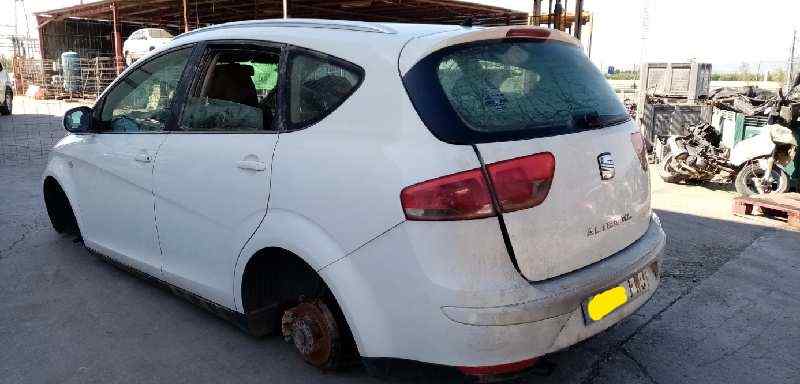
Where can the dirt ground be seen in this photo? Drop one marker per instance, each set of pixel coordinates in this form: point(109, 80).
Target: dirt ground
point(726, 311)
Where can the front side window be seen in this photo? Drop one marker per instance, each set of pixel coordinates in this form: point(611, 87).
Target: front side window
point(318, 85)
point(237, 93)
point(142, 100)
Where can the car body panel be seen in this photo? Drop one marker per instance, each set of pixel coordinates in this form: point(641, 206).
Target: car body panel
point(584, 218)
point(5, 82)
point(114, 185)
point(207, 207)
point(400, 314)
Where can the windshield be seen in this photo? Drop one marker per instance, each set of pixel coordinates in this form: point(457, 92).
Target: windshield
point(509, 86)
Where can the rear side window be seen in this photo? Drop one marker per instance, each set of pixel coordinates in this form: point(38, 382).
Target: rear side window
point(318, 85)
point(504, 90)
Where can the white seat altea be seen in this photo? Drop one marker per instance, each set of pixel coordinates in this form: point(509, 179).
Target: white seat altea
point(471, 198)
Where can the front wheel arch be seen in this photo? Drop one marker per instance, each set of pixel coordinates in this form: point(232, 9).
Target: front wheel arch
point(59, 208)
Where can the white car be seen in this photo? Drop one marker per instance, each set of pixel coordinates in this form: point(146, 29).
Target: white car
point(143, 41)
point(470, 198)
point(6, 92)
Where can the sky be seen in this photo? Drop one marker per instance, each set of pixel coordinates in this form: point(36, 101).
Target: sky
point(722, 32)
point(725, 33)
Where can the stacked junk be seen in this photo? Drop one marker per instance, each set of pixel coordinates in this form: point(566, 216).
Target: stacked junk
point(747, 136)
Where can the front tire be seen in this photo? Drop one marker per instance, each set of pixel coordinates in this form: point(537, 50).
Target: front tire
point(746, 179)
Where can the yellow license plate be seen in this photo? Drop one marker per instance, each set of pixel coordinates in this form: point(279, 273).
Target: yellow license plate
point(604, 303)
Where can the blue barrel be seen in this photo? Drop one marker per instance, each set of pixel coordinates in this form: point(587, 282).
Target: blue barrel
point(71, 66)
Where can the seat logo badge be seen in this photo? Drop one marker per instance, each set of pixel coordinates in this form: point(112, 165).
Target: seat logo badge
point(606, 164)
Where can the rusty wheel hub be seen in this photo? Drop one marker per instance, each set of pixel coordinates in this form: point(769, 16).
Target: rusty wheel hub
point(312, 328)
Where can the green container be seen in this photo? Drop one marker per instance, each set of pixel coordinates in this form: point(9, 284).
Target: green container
point(747, 127)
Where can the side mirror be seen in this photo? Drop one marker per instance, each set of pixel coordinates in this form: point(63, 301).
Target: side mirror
point(78, 120)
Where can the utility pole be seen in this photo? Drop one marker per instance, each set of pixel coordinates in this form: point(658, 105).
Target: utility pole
point(789, 77)
point(645, 29)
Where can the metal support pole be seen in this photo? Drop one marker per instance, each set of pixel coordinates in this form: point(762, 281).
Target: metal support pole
point(578, 18)
point(285, 9)
point(536, 14)
point(790, 75)
point(118, 64)
point(591, 35)
point(185, 17)
point(549, 13)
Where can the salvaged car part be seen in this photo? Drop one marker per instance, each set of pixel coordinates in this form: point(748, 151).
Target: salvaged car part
point(755, 165)
point(313, 330)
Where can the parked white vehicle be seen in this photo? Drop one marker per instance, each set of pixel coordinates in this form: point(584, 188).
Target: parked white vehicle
point(143, 41)
point(6, 92)
point(464, 197)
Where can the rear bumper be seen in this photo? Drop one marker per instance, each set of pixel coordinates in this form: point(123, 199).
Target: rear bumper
point(563, 294)
point(397, 310)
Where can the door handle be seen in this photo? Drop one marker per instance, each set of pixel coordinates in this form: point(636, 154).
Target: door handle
point(252, 165)
point(143, 158)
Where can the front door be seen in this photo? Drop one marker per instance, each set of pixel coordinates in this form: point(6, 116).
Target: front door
point(115, 165)
point(213, 173)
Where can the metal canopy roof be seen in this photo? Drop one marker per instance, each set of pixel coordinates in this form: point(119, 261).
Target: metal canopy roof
point(201, 13)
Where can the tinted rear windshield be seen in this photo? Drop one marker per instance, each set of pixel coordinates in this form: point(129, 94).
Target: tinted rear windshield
point(511, 89)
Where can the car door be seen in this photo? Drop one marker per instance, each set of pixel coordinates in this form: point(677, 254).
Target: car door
point(213, 173)
point(114, 167)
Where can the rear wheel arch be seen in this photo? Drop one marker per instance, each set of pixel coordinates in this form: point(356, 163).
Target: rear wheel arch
point(274, 280)
point(59, 208)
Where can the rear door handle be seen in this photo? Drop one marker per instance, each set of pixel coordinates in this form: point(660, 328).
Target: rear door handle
point(143, 158)
point(252, 165)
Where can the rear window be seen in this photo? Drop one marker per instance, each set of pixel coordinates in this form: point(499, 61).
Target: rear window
point(504, 90)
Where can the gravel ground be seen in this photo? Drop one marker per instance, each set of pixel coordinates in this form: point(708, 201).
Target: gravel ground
point(725, 313)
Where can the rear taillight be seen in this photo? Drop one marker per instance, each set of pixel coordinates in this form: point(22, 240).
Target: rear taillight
point(519, 183)
point(460, 196)
point(641, 150)
point(523, 182)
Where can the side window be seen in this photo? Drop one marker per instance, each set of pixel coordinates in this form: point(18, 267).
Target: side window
point(318, 85)
point(142, 100)
point(237, 93)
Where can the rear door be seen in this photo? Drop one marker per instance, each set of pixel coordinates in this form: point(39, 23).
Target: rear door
point(212, 175)
point(514, 97)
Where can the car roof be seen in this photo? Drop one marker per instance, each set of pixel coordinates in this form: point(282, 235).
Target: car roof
point(354, 41)
point(330, 26)
point(357, 41)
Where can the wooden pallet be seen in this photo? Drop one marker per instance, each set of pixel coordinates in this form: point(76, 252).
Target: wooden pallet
point(779, 203)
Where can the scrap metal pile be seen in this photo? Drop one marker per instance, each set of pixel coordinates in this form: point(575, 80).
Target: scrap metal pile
point(753, 101)
point(755, 165)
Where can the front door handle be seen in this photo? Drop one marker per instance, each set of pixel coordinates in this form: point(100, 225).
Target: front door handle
point(252, 165)
point(143, 158)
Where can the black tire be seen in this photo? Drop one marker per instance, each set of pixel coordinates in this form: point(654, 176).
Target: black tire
point(744, 179)
point(59, 210)
point(8, 104)
point(666, 174)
